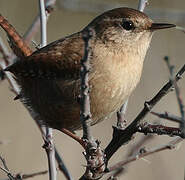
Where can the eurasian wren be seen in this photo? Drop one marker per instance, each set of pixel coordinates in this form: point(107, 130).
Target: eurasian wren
point(50, 81)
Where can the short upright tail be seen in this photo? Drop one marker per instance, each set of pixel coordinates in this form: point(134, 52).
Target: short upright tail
point(18, 45)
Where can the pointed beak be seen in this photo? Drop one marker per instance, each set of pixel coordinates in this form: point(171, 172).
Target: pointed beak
point(156, 26)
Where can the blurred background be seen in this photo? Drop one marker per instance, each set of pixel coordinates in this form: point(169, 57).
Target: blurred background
point(21, 140)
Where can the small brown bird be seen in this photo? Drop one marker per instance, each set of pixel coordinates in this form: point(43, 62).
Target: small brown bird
point(50, 81)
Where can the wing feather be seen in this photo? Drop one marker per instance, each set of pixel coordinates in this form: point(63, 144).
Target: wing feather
point(60, 59)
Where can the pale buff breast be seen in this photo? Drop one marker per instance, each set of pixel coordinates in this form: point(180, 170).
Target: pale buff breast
point(118, 77)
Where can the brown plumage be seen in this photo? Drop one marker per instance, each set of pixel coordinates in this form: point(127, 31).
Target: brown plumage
point(50, 81)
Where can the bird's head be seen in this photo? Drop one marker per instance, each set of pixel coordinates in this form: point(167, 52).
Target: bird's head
point(125, 27)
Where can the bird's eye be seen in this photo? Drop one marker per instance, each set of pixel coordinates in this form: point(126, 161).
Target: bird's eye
point(128, 25)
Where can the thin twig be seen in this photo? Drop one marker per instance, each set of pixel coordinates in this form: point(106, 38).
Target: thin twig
point(147, 128)
point(74, 136)
point(170, 145)
point(142, 4)
point(43, 22)
point(93, 153)
point(4, 163)
point(49, 146)
point(168, 116)
point(6, 170)
point(178, 95)
point(134, 149)
point(26, 176)
point(10, 176)
point(62, 166)
point(85, 112)
point(33, 29)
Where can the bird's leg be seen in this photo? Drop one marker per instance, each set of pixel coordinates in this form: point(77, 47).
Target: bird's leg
point(75, 137)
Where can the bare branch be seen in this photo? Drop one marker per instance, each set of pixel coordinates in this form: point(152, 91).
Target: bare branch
point(49, 146)
point(170, 145)
point(93, 153)
point(147, 128)
point(75, 137)
point(27, 176)
point(85, 113)
point(43, 22)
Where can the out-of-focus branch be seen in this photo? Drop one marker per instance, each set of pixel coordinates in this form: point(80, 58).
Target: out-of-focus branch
point(32, 30)
point(135, 148)
point(168, 116)
point(4, 163)
point(170, 145)
point(131, 152)
point(25, 176)
point(6, 170)
point(10, 176)
point(178, 95)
